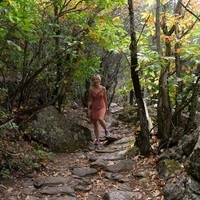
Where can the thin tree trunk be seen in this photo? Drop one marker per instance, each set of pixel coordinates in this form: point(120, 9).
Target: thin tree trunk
point(177, 118)
point(163, 109)
point(143, 137)
point(158, 40)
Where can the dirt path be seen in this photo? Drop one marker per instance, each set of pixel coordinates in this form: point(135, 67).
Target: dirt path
point(99, 172)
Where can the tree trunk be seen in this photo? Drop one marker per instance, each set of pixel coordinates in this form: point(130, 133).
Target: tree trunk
point(158, 40)
point(131, 98)
point(59, 92)
point(143, 137)
point(164, 114)
point(163, 109)
point(177, 118)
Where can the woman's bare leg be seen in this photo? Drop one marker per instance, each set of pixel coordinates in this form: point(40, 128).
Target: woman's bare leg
point(103, 124)
point(96, 130)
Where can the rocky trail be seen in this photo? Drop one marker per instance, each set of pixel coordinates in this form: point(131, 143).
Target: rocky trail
point(112, 170)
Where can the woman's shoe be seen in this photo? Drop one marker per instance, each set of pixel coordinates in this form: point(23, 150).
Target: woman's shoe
point(107, 133)
point(97, 142)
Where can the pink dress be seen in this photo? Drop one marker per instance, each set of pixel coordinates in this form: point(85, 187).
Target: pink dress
point(98, 109)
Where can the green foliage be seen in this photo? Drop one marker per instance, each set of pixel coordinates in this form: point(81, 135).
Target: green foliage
point(15, 153)
point(47, 45)
point(5, 115)
point(124, 91)
point(44, 155)
point(150, 63)
point(4, 172)
point(49, 48)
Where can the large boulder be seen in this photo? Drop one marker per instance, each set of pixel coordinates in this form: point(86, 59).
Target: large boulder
point(59, 132)
point(182, 184)
point(192, 164)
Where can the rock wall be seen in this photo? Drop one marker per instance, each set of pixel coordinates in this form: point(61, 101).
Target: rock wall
point(180, 168)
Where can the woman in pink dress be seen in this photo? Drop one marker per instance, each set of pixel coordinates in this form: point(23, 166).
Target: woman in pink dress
point(97, 106)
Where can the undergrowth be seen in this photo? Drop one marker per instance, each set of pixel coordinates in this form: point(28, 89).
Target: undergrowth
point(17, 155)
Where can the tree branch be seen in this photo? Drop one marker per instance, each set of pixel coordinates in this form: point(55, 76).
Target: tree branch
point(143, 28)
point(189, 10)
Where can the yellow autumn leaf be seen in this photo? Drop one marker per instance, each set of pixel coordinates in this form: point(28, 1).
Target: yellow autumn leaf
point(19, 48)
point(115, 19)
point(92, 32)
point(183, 67)
point(22, 41)
point(10, 2)
point(151, 2)
point(187, 71)
point(3, 53)
point(138, 128)
point(144, 15)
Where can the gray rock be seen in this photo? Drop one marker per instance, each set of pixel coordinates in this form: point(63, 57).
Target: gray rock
point(58, 132)
point(50, 181)
point(120, 155)
point(58, 190)
point(120, 195)
point(114, 108)
point(29, 197)
point(29, 190)
point(82, 181)
point(67, 198)
point(192, 164)
point(167, 168)
point(92, 157)
point(84, 171)
point(122, 165)
point(125, 140)
point(189, 145)
point(174, 191)
point(100, 163)
point(83, 188)
point(106, 150)
point(125, 187)
point(108, 175)
point(112, 138)
point(193, 186)
point(120, 178)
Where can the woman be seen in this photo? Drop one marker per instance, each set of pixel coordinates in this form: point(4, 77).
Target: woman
point(97, 106)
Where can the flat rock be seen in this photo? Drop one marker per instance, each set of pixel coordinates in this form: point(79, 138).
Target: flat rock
point(126, 140)
point(119, 155)
point(47, 181)
point(58, 190)
point(100, 163)
point(67, 198)
point(84, 171)
point(118, 195)
point(122, 165)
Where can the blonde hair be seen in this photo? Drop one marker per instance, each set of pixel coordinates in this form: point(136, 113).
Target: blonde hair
point(96, 76)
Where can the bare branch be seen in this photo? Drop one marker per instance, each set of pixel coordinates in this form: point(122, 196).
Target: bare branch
point(143, 28)
point(189, 11)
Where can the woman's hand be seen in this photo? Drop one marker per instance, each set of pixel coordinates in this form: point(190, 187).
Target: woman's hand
point(107, 111)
